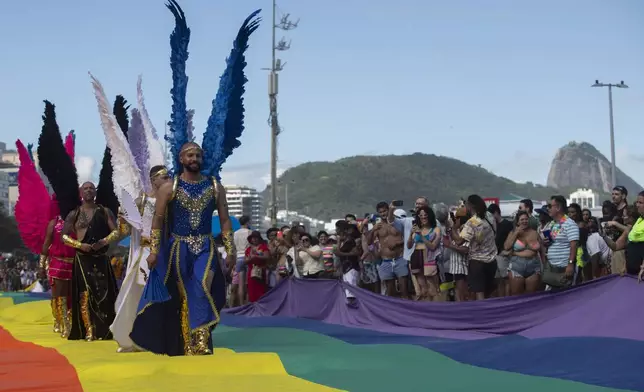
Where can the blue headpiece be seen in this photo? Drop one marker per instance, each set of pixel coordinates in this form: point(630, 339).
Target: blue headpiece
point(226, 121)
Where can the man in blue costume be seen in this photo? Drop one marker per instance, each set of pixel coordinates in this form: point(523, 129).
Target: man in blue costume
point(182, 250)
point(188, 260)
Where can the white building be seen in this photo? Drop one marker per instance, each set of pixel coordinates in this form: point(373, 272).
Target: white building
point(4, 193)
point(10, 172)
point(13, 199)
point(509, 204)
point(243, 200)
point(312, 225)
point(586, 198)
point(10, 175)
point(11, 156)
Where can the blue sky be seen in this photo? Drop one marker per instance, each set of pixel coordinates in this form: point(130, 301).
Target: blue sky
point(509, 78)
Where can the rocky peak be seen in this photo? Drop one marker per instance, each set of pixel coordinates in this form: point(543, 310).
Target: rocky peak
point(581, 165)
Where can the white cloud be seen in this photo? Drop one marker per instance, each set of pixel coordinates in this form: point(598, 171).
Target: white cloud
point(85, 168)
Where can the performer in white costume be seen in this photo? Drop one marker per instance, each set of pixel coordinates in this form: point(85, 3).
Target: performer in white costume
point(139, 171)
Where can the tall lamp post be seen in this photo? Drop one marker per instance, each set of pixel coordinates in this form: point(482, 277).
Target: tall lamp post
point(276, 66)
point(613, 168)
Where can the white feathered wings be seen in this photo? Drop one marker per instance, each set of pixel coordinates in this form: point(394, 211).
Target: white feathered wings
point(126, 174)
point(157, 156)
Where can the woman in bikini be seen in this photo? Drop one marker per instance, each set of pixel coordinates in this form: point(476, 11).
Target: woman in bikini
point(524, 248)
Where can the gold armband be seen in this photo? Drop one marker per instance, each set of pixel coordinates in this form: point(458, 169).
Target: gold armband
point(44, 262)
point(155, 241)
point(124, 227)
point(69, 241)
point(227, 238)
point(113, 236)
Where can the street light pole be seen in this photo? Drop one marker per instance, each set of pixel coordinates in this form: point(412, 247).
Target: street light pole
point(273, 82)
point(613, 168)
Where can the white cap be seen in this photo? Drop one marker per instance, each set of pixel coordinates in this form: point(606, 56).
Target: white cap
point(400, 213)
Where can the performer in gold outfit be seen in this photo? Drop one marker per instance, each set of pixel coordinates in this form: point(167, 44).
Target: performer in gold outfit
point(94, 287)
point(91, 228)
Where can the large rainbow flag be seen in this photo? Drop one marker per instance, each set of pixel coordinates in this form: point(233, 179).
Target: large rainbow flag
point(302, 336)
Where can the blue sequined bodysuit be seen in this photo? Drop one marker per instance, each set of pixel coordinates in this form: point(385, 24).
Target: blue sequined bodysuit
point(192, 207)
point(188, 260)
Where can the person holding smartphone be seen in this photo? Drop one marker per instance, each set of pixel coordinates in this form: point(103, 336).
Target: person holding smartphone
point(388, 232)
point(425, 239)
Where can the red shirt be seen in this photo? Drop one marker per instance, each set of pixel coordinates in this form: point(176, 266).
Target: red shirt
point(256, 287)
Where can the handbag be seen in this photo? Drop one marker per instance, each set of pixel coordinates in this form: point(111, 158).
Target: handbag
point(257, 272)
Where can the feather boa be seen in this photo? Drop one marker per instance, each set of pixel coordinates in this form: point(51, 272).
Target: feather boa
point(226, 122)
point(126, 175)
point(139, 148)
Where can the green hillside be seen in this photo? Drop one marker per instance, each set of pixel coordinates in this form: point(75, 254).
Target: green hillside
point(327, 190)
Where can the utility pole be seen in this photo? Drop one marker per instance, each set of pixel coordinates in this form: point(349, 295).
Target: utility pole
point(613, 168)
point(276, 66)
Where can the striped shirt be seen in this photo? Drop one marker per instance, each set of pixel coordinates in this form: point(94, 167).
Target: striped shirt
point(457, 261)
point(562, 233)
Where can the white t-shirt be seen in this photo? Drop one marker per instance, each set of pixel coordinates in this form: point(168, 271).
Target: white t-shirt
point(596, 244)
point(408, 223)
point(311, 266)
point(241, 241)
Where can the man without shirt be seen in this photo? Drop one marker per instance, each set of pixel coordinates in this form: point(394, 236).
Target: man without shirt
point(389, 233)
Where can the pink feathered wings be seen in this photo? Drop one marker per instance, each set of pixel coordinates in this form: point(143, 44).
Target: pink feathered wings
point(35, 207)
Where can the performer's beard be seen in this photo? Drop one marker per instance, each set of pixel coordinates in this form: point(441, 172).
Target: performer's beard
point(193, 167)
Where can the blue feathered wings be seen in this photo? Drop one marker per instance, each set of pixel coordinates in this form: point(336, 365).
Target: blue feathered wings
point(179, 40)
point(226, 121)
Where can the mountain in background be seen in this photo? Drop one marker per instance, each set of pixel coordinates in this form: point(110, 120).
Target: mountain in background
point(581, 165)
point(327, 190)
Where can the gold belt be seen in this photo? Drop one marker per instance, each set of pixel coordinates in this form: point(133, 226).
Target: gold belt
point(195, 242)
point(69, 260)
